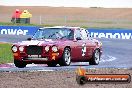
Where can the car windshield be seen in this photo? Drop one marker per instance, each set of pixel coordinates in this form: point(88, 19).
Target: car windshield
point(54, 33)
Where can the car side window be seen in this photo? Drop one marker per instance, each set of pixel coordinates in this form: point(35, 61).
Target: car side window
point(71, 34)
point(78, 34)
point(84, 34)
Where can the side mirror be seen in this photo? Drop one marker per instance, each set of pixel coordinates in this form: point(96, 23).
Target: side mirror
point(78, 38)
point(29, 39)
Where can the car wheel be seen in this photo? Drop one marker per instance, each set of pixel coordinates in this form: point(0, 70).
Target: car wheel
point(66, 58)
point(52, 64)
point(19, 64)
point(95, 58)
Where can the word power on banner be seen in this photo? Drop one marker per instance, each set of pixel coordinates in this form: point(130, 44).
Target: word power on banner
point(18, 30)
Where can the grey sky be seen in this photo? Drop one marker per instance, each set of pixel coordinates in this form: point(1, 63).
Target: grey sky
point(70, 3)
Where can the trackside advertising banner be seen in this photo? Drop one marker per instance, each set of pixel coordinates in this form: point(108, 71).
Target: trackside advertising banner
point(97, 33)
point(111, 33)
point(18, 30)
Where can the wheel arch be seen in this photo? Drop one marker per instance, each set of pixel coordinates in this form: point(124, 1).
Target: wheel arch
point(62, 60)
point(97, 48)
point(67, 47)
point(92, 60)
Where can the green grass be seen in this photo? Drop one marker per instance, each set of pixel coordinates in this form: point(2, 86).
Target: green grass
point(15, 24)
point(50, 25)
point(19, 24)
point(43, 25)
point(5, 53)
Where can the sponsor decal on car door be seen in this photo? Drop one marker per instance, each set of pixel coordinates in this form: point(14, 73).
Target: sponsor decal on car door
point(84, 49)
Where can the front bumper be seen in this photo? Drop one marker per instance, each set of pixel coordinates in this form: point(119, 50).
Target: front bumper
point(44, 58)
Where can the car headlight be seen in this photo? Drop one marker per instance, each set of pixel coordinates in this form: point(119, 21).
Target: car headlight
point(54, 49)
point(21, 48)
point(14, 49)
point(47, 48)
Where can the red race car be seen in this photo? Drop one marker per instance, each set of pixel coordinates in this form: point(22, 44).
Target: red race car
point(57, 45)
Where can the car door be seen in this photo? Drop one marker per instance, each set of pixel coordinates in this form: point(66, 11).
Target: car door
point(77, 49)
point(86, 45)
point(90, 45)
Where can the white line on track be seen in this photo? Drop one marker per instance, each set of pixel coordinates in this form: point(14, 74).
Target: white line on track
point(31, 65)
point(104, 58)
point(40, 70)
point(108, 58)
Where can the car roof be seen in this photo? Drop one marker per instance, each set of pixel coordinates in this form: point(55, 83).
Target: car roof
point(61, 27)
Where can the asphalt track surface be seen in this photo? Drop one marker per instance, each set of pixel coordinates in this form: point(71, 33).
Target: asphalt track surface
point(117, 53)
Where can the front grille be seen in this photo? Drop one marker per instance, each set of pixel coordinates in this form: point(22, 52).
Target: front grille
point(34, 50)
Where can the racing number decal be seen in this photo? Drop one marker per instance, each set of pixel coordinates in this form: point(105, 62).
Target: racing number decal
point(83, 49)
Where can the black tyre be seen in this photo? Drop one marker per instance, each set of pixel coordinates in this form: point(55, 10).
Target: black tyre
point(81, 80)
point(51, 64)
point(19, 64)
point(95, 58)
point(66, 58)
